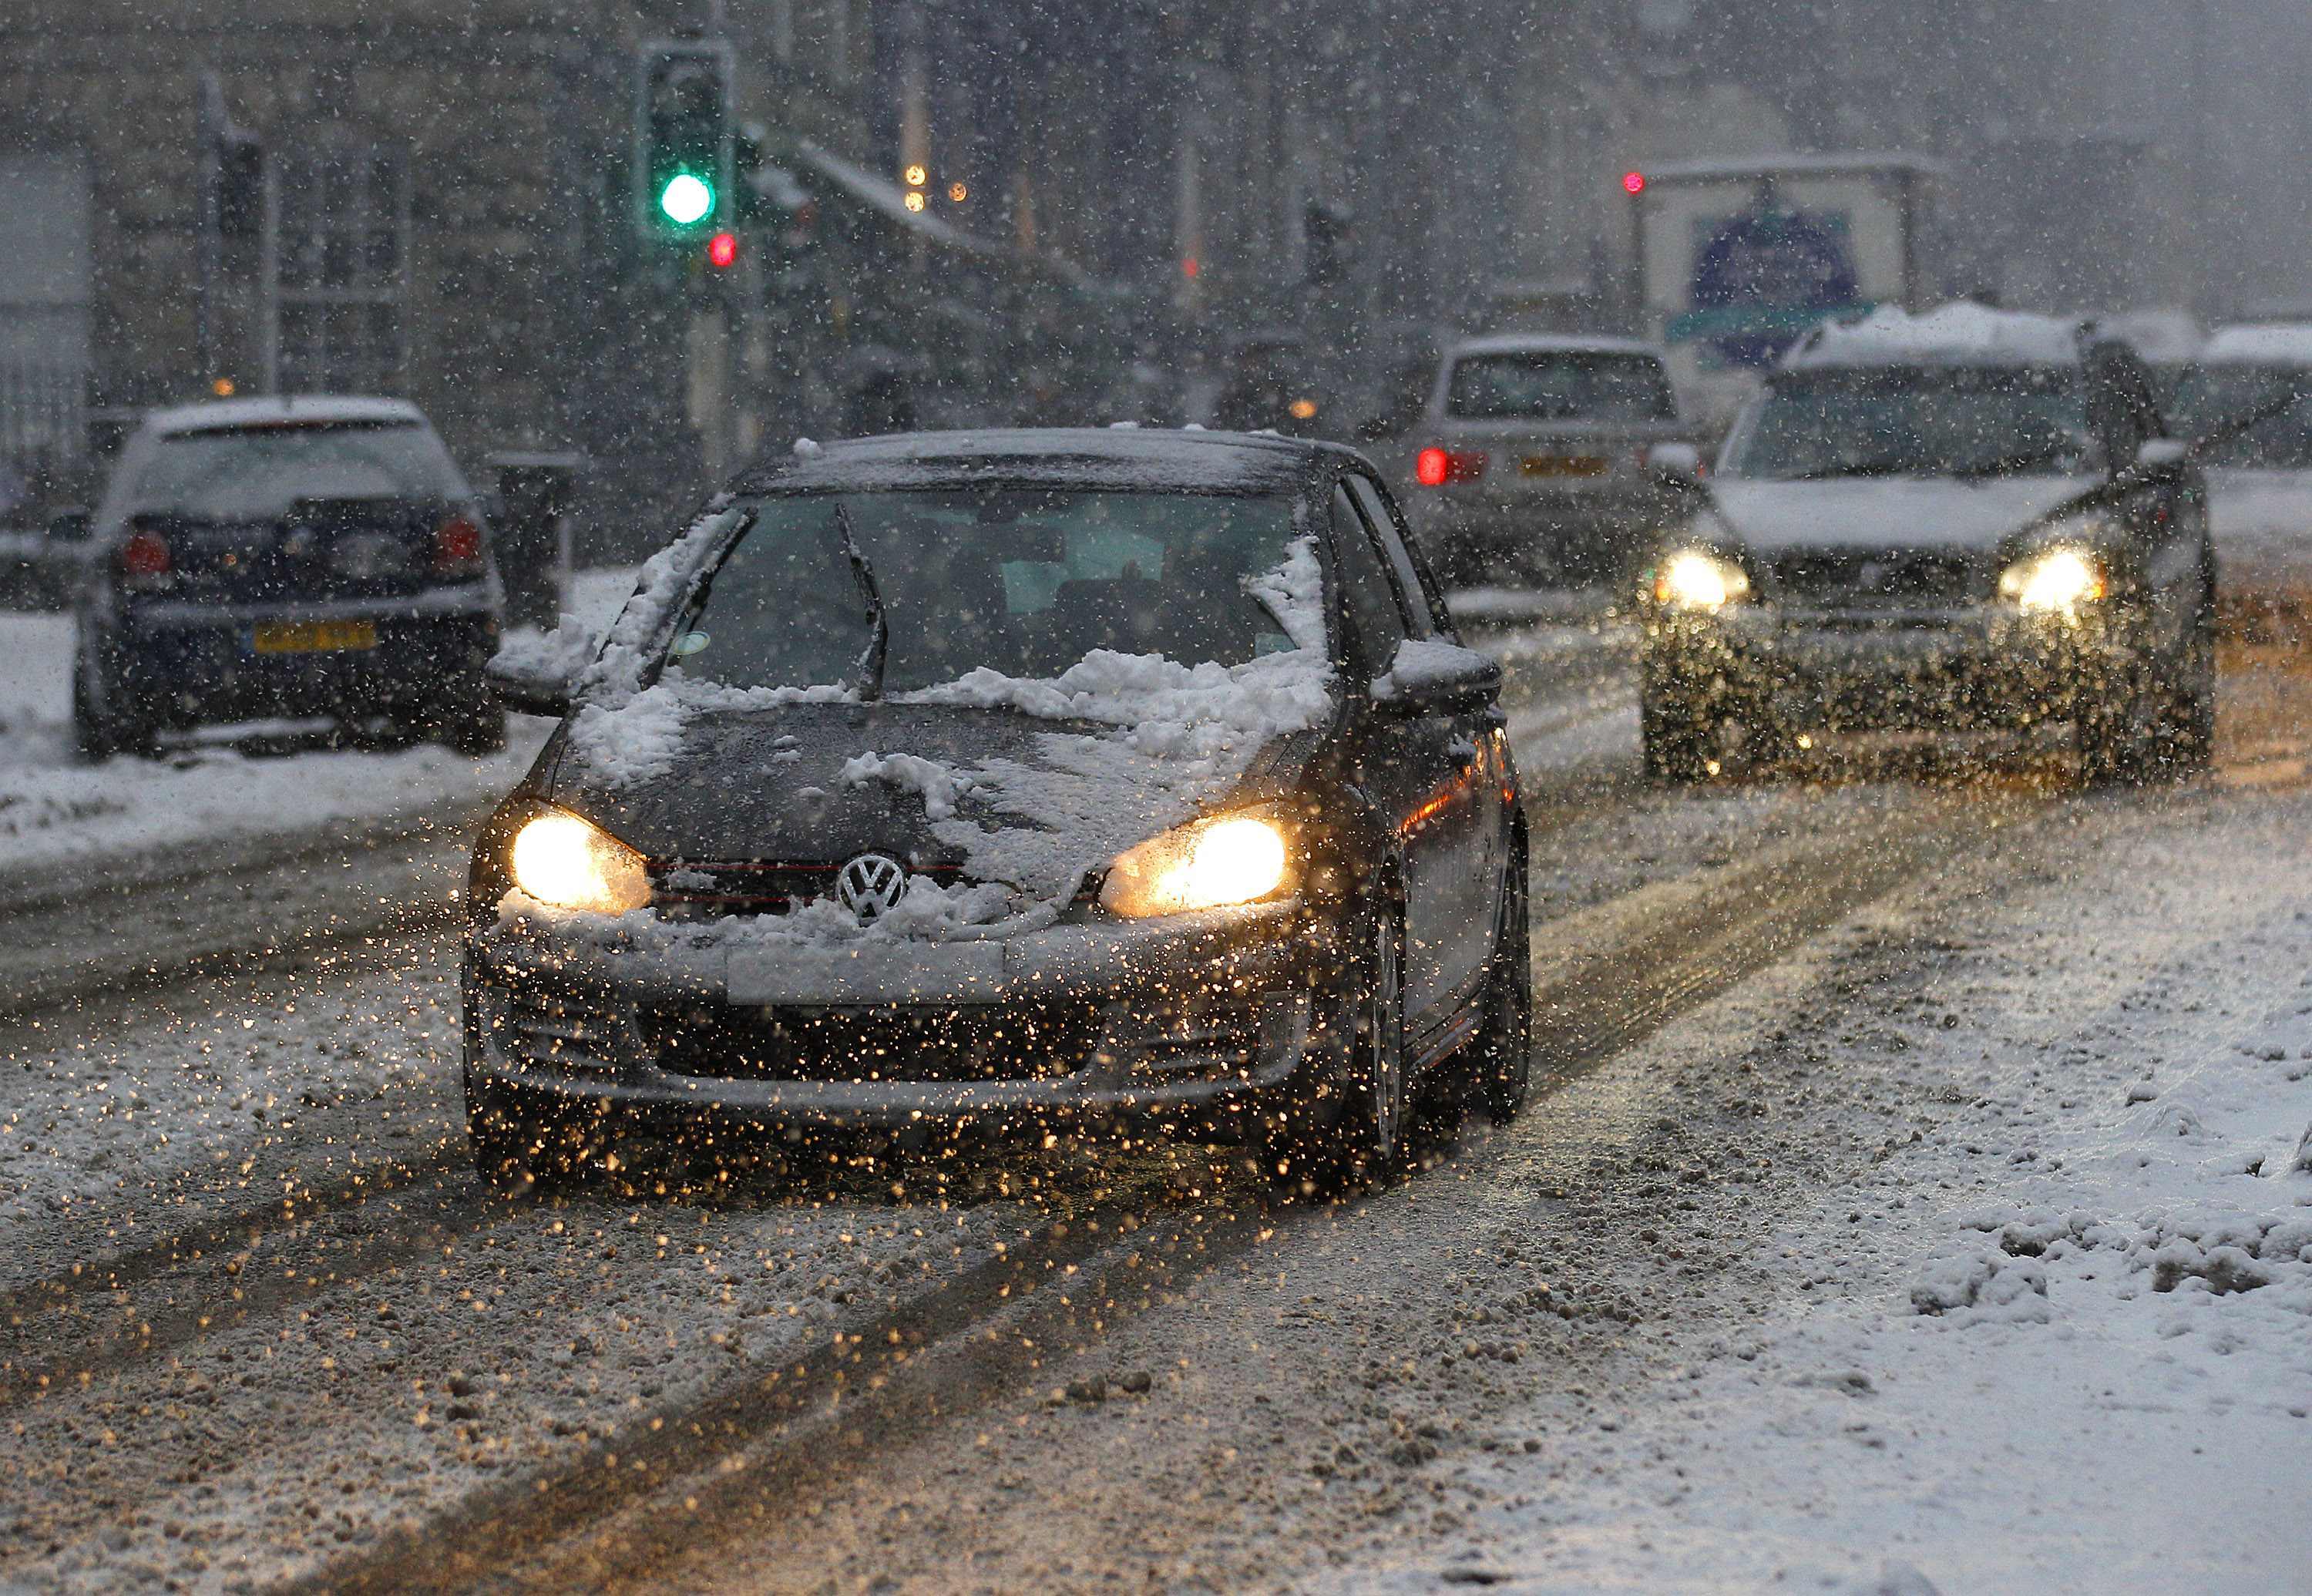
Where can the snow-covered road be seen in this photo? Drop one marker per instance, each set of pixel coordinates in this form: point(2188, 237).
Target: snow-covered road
point(1824, 1047)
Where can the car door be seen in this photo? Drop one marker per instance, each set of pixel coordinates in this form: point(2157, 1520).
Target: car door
point(1405, 765)
point(1477, 757)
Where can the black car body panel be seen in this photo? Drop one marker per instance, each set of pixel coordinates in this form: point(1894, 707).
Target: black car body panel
point(327, 602)
point(1064, 1011)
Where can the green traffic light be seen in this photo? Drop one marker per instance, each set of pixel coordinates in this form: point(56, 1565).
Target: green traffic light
point(687, 199)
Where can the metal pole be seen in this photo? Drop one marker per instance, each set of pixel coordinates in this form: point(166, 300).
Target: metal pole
point(210, 122)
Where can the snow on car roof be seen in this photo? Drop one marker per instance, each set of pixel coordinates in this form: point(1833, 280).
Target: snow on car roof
point(225, 414)
point(1958, 333)
point(2264, 345)
point(1550, 343)
point(1126, 459)
point(2162, 336)
point(1771, 166)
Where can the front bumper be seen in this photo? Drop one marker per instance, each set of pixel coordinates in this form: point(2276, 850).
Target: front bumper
point(1191, 1018)
point(1979, 667)
point(1599, 531)
point(183, 662)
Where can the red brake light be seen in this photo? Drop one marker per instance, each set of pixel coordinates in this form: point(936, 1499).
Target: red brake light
point(457, 549)
point(1434, 468)
point(1634, 182)
point(145, 554)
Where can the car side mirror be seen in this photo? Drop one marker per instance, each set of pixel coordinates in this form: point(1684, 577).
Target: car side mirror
point(1676, 462)
point(1428, 676)
point(70, 526)
point(534, 673)
point(2162, 454)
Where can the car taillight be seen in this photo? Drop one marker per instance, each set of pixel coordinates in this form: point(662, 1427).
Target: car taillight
point(144, 559)
point(457, 549)
point(1434, 468)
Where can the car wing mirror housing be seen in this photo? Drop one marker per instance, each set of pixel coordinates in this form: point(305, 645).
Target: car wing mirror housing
point(1430, 675)
point(1680, 463)
point(2162, 454)
point(534, 674)
point(70, 526)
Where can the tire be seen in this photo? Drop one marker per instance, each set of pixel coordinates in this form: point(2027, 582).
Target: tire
point(2191, 729)
point(516, 1153)
point(99, 734)
point(1501, 1056)
point(467, 719)
point(2118, 734)
point(1349, 1118)
point(1677, 730)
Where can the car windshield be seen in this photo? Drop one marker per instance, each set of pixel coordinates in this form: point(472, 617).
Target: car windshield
point(1918, 422)
point(257, 473)
point(1563, 385)
point(2220, 395)
point(1022, 582)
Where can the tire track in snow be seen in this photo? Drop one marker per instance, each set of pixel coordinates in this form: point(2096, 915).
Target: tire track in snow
point(756, 1449)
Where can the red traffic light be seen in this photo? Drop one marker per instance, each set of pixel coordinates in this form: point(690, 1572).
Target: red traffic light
point(722, 250)
point(1634, 182)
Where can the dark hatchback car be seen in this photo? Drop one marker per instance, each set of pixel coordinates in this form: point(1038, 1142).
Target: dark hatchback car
point(286, 558)
point(956, 779)
point(1966, 519)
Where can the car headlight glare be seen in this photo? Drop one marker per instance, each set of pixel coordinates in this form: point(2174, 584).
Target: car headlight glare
point(1698, 580)
point(1209, 864)
point(569, 863)
point(2057, 581)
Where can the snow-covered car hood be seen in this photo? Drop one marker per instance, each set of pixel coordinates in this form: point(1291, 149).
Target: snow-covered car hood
point(1890, 512)
point(1027, 784)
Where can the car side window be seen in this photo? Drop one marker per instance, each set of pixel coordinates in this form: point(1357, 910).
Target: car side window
point(1372, 599)
point(1427, 617)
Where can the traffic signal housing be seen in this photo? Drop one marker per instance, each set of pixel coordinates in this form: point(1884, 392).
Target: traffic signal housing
point(683, 134)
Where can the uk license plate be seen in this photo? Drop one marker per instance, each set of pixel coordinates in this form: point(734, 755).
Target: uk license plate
point(1563, 465)
point(314, 637)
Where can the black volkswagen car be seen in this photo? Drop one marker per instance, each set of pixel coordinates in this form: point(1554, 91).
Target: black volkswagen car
point(302, 556)
point(946, 779)
point(1965, 518)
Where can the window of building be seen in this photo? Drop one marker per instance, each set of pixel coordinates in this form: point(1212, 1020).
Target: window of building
point(339, 267)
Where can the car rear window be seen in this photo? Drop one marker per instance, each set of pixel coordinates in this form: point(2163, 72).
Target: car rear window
point(1024, 582)
point(1560, 386)
point(258, 473)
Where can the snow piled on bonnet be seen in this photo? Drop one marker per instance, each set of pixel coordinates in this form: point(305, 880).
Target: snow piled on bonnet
point(1177, 738)
point(1960, 333)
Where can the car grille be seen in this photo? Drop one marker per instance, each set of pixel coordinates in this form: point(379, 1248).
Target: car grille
point(729, 1044)
point(1901, 579)
point(684, 890)
point(562, 1032)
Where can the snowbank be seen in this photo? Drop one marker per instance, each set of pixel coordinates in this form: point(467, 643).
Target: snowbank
point(225, 786)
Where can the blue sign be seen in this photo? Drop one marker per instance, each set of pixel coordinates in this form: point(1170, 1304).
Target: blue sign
point(1762, 277)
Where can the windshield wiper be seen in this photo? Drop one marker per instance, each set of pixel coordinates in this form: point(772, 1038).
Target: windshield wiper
point(879, 645)
point(2001, 464)
point(1885, 465)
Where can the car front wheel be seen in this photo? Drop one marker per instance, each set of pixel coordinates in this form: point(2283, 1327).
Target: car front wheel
point(1677, 730)
point(1346, 1119)
point(1501, 1054)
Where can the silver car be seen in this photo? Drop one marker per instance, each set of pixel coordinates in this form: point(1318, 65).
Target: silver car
point(1547, 457)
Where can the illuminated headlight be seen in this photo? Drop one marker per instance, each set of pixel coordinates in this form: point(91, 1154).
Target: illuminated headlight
point(2056, 581)
point(1210, 865)
point(560, 859)
point(1697, 580)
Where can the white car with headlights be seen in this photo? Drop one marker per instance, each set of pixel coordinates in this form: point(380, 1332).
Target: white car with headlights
point(1963, 519)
